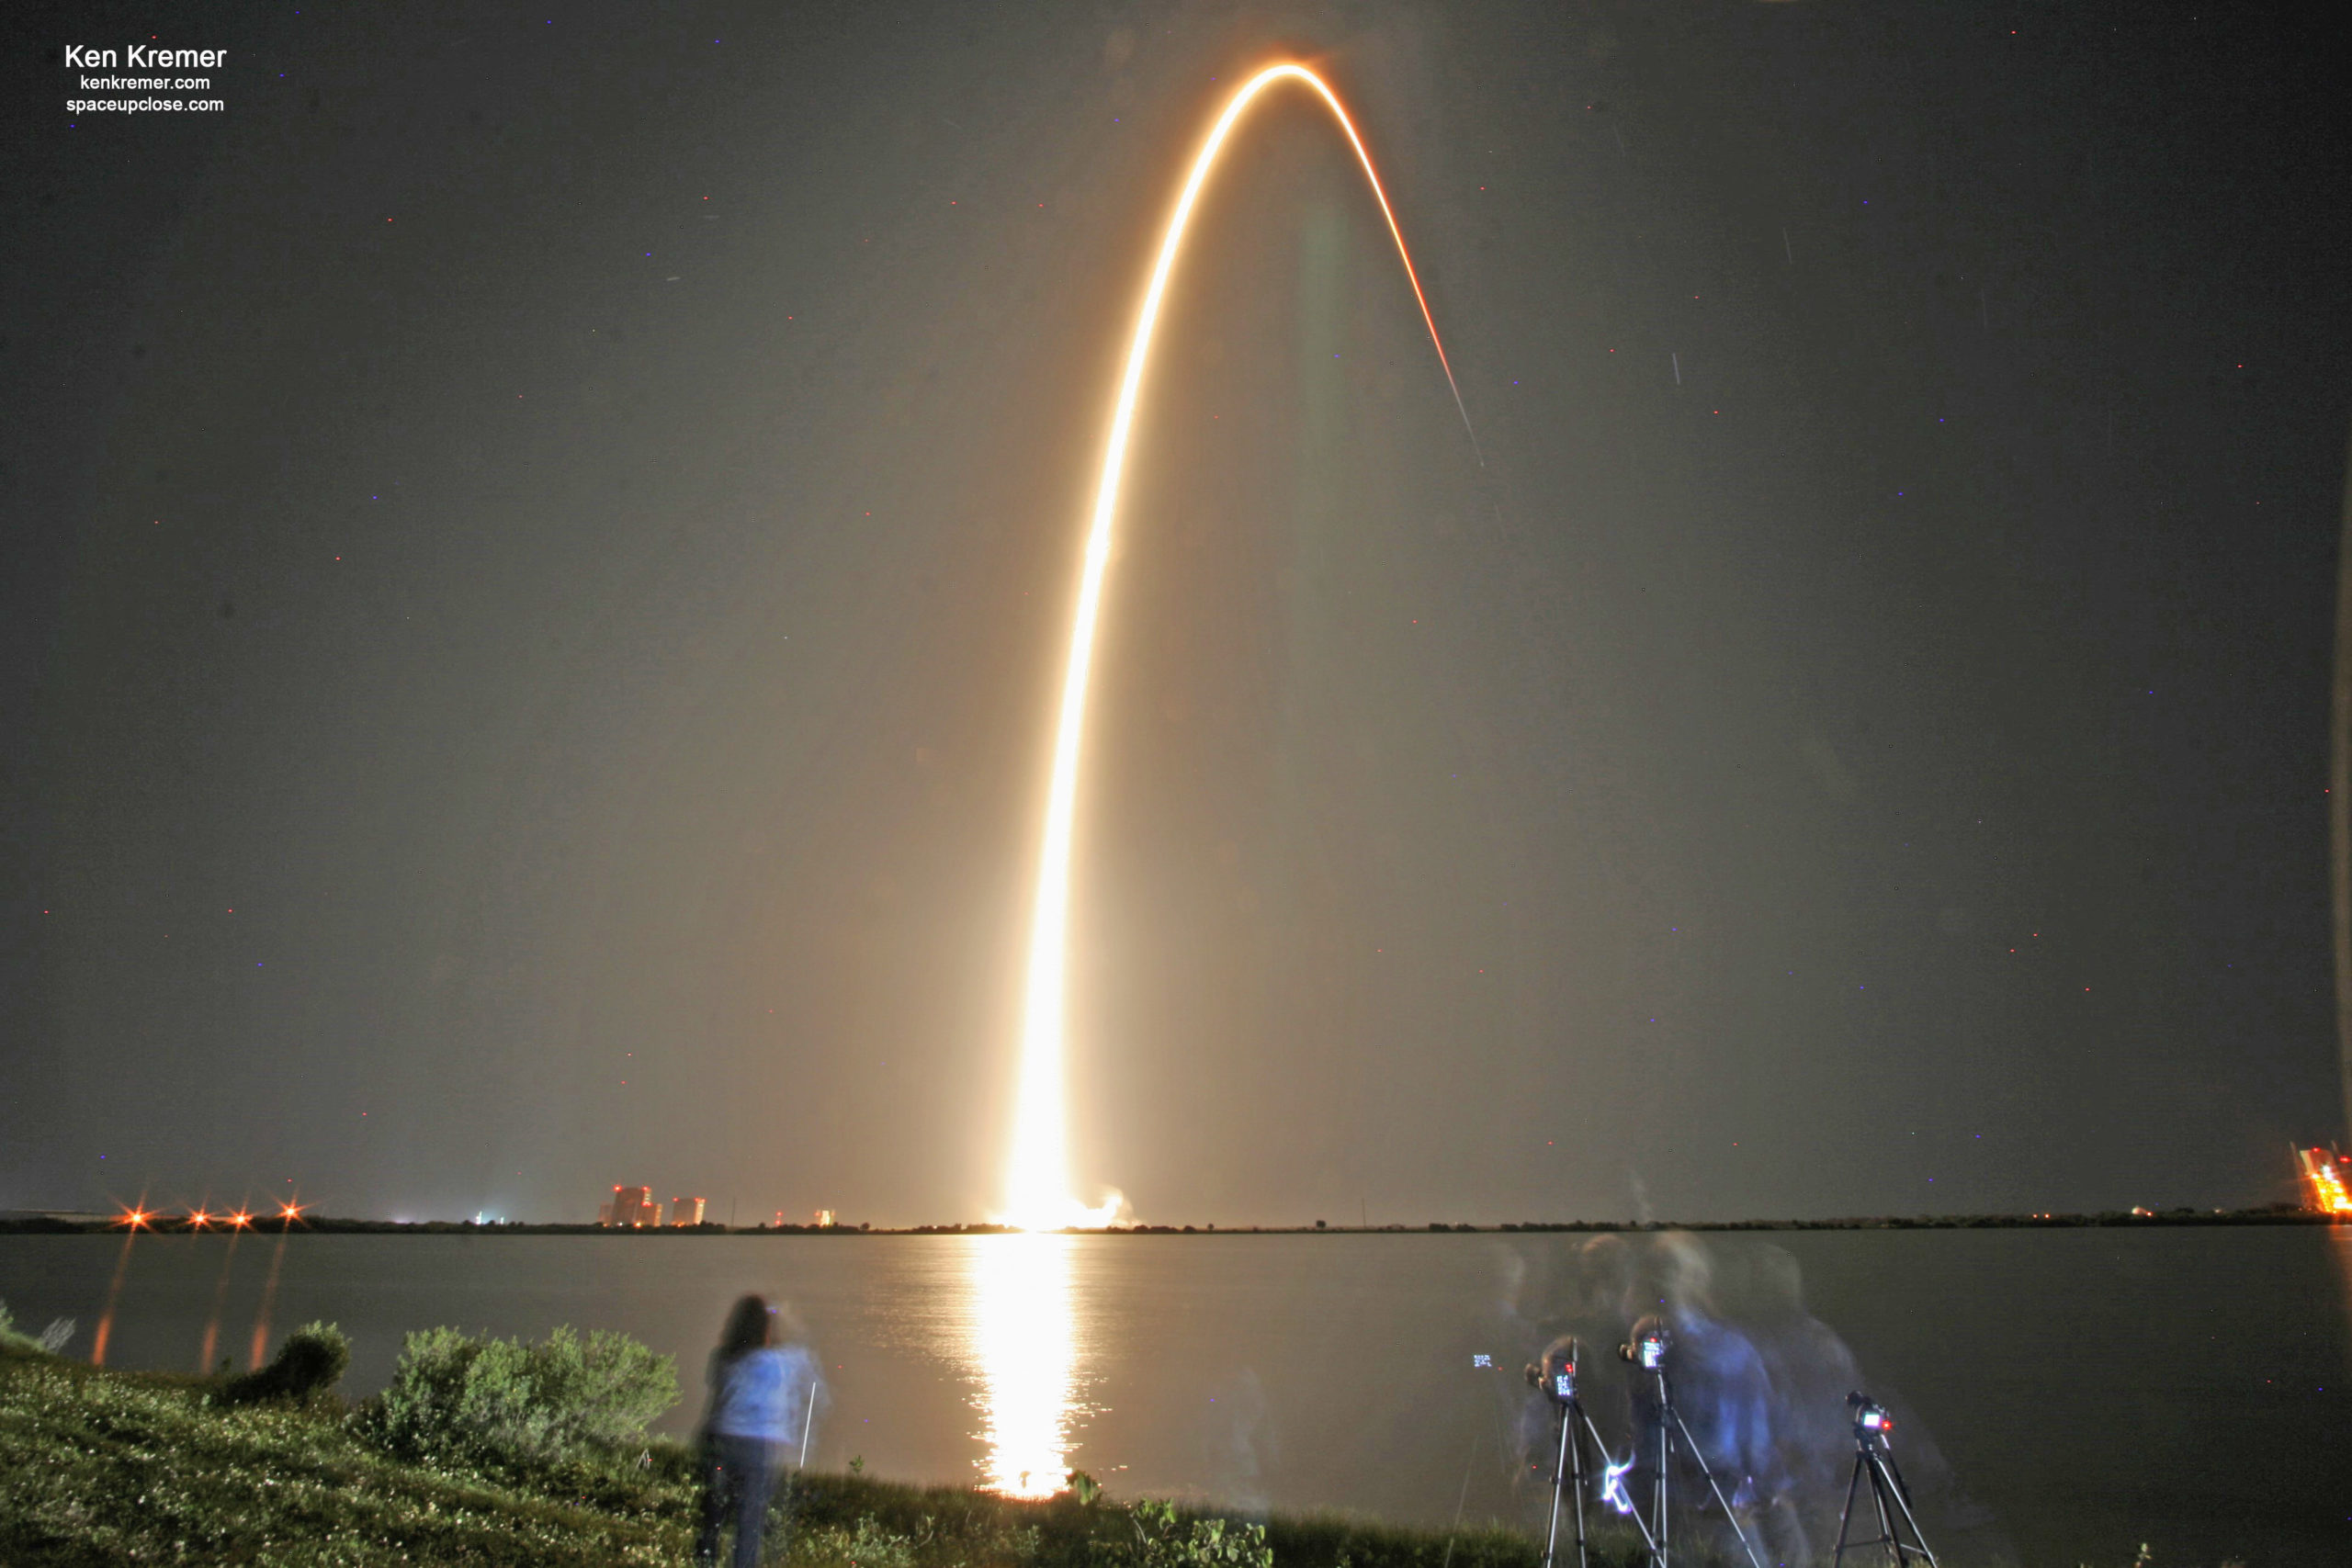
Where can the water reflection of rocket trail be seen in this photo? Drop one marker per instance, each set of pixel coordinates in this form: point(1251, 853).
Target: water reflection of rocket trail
point(2339, 1242)
point(1037, 1185)
point(220, 1298)
point(114, 1295)
point(1025, 1343)
point(268, 1303)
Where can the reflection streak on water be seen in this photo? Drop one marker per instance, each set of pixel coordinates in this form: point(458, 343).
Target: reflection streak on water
point(2339, 1243)
point(1025, 1346)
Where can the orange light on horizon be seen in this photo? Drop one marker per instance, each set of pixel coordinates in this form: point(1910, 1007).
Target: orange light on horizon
point(198, 1219)
point(134, 1218)
point(1037, 1185)
point(240, 1219)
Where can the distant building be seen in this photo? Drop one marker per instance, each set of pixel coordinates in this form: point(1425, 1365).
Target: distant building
point(685, 1211)
point(603, 1213)
point(825, 1219)
point(633, 1208)
point(2327, 1180)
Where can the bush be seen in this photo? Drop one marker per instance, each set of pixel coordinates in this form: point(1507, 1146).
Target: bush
point(48, 1342)
point(871, 1544)
point(1162, 1541)
point(475, 1399)
point(9, 1338)
point(305, 1370)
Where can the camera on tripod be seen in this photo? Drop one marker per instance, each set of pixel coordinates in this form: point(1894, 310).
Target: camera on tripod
point(1648, 1347)
point(1660, 1429)
point(1898, 1527)
point(1555, 1376)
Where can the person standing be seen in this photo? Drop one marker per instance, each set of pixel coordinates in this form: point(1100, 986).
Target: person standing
point(756, 1393)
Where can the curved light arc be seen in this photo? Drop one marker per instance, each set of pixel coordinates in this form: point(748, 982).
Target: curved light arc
point(1037, 1185)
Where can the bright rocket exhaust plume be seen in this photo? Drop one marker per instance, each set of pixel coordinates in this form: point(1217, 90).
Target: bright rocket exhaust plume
point(1037, 1183)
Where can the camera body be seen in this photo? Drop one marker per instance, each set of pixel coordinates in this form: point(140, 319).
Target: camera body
point(1872, 1419)
point(1555, 1376)
point(1650, 1345)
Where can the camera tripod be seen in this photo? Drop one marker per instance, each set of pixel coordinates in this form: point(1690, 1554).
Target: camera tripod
point(1672, 1426)
point(1888, 1494)
point(1574, 1427)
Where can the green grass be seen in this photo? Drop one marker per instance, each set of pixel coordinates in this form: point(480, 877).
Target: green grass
point(114, 1467)
point(106, 1467)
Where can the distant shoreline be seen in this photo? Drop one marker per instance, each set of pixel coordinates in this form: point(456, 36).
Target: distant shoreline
point(66, 1222)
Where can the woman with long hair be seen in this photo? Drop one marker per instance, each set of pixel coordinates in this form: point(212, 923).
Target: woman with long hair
point(756, 1393)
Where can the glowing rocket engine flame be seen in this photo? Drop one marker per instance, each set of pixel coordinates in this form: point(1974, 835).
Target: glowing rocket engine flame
point(1037, 1183)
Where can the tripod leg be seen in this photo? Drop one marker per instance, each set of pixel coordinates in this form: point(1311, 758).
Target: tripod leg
point(1712, 1485)
point(1658, 1519)
point(1576, 1473)
point(1846, 1514)
point(1885, 1519)
point(1559, 1474)
point(1901, 1499)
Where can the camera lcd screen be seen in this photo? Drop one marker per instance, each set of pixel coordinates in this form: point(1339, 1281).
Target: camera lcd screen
point(1564, 1385)
point(1653, 1354)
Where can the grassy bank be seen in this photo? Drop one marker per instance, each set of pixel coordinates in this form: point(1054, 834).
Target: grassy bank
point(24, 1223)
point(106, 1467)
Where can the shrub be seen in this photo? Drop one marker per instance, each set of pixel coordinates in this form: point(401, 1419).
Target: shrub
point(1163, 1541)
point(477, 1399)
point(871, 1544)
point(48, 1342)
point(305, 1370)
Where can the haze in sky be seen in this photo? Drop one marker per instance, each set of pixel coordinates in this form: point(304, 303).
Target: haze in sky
point(541, 547)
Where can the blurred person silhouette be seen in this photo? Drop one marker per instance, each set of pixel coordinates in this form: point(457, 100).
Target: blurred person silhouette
point(756, 1390)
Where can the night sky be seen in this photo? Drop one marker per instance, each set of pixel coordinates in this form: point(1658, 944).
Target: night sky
point(540, 546)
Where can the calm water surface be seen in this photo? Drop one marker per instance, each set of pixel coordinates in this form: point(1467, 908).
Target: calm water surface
point(2062, 1395)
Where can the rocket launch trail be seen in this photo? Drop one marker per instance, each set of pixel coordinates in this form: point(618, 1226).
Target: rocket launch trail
point(1038, 1184)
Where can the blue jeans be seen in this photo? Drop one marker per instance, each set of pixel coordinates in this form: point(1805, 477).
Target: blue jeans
point(737, 1475)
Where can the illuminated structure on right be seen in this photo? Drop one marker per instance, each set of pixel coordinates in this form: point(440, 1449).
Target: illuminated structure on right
point(632, 1207)
point(2326, 1177)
